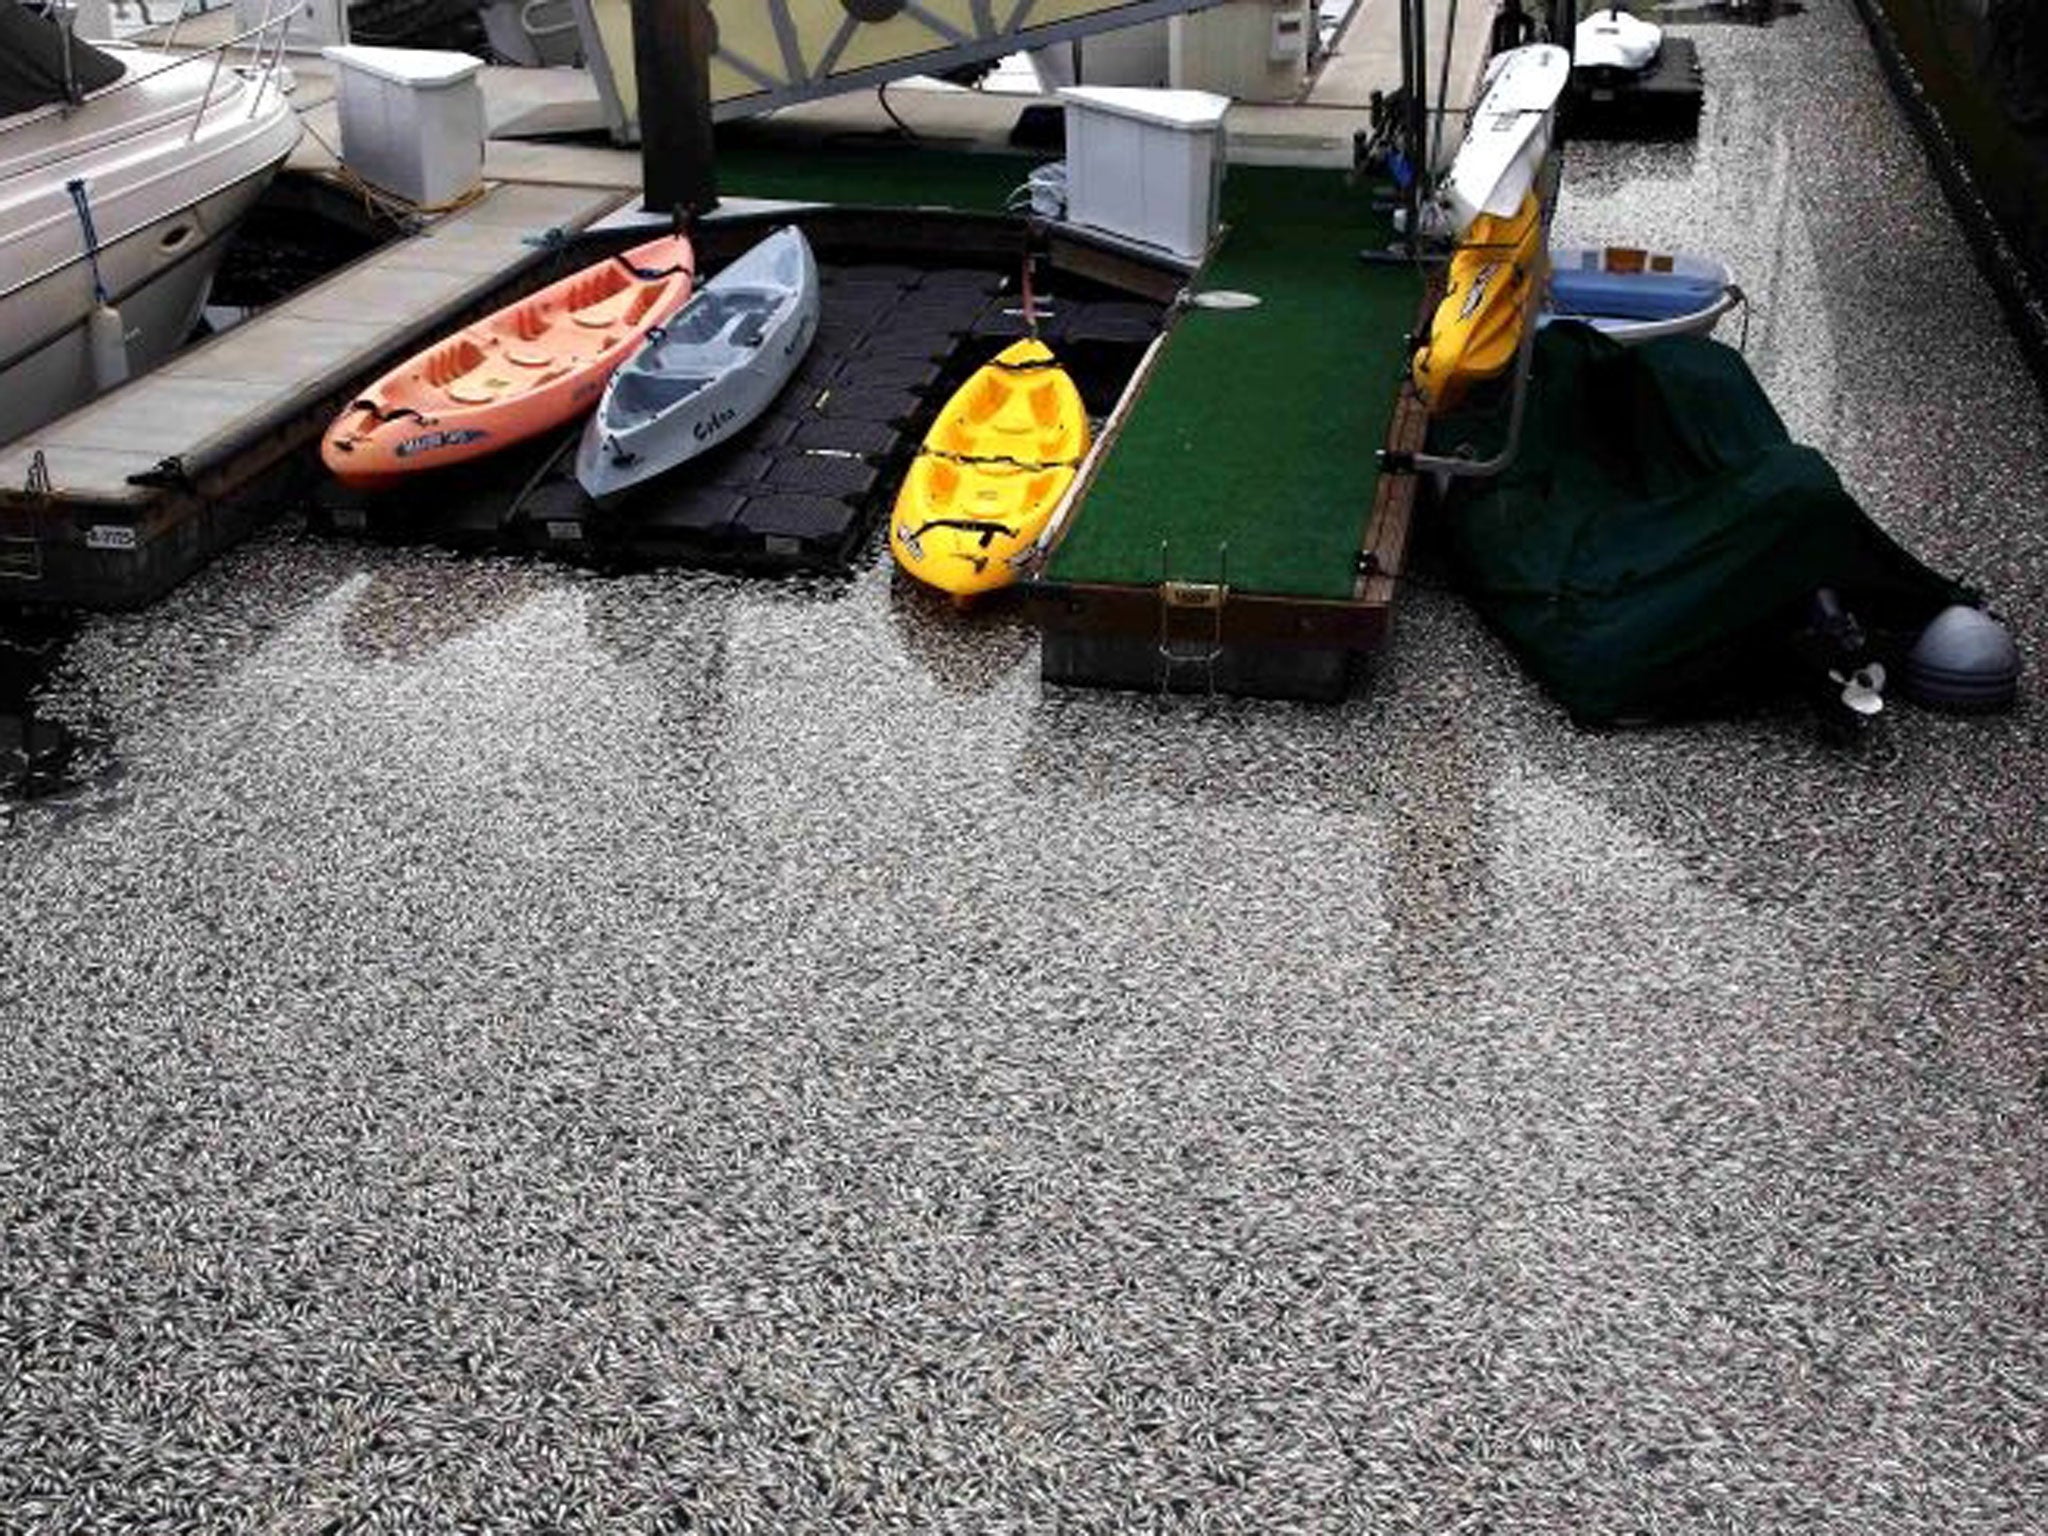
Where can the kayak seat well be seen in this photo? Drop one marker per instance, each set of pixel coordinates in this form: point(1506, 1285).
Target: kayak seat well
point(713, 313)
point(649, 394)
point(989, 400)
point(444, 365)
point(1045, 406)
point(481, 387)
point(610, 298)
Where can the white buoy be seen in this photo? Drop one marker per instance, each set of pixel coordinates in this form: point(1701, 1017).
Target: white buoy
point(107, 335)
point(1963, 660)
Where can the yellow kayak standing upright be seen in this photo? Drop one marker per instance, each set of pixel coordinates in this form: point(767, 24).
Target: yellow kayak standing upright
point(1495, 277)
point(993, 470)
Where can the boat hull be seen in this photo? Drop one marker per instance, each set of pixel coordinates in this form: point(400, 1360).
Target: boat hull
point(1633, 295)
point(171, 159)
point(49, 369)
point(707, 376)
point(1486, 305)
point(527, 369)
point(994, 469)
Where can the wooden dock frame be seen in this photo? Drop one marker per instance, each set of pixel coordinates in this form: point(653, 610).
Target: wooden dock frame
point(122, 541)
point(1214, 637)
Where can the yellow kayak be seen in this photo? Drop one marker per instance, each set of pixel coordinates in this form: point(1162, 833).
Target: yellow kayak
point(1495, 271)
point(993, 470)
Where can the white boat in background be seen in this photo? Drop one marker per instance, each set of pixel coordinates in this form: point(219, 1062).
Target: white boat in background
point(1616, 42)
point(1634, 295)
point(1508, 136)
point(167, 155)
point(709, 373)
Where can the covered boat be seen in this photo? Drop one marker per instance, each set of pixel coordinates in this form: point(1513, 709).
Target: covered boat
point(529, 368)
point(707, 374)
point(1659, 543)
point(995, 467)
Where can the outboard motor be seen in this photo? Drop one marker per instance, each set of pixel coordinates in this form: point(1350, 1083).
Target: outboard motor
point(1845, 683)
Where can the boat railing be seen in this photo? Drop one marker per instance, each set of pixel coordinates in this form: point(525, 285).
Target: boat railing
point(265, 43)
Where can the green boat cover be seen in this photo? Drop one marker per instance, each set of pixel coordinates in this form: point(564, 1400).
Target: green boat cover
point(1659, 536)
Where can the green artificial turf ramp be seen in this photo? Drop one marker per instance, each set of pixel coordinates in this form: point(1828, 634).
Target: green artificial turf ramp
point(1259, 426)
point(896, 176)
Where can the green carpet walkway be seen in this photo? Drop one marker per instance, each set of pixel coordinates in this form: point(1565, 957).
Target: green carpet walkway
point(875, 175)
point(1259, 426)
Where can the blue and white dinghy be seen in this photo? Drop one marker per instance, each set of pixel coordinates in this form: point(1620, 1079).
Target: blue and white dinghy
point(709, 373)
point(1636, 295)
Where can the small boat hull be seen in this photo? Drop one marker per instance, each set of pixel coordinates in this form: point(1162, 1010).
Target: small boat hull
point(1615, 42)
point(709, 373)
point(1504, 145)
point(995, 467)
point(171, 155)
point(1486, 305)
point(529, 368)
point(1634, 295)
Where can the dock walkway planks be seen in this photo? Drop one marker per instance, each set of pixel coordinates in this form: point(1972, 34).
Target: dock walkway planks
point(293, 353)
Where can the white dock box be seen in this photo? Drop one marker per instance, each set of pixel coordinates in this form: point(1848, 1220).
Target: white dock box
point(412, 120)
point(1146, 165)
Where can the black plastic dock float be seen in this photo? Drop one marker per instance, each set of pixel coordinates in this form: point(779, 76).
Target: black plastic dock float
point(1663, 102)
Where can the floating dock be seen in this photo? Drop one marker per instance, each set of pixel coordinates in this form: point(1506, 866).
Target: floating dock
point(914, 300)
point(113, 505)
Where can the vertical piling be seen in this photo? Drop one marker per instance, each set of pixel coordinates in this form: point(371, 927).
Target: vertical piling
point(673, 41)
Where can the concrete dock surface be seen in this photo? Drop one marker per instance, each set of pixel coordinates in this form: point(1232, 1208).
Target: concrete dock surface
point(488, 1046)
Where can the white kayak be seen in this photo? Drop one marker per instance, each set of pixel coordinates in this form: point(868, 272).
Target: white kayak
point(1508, 136)
point(1636, 295)
point(709, 373)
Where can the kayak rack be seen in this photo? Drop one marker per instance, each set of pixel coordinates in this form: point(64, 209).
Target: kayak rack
point(1461, 466)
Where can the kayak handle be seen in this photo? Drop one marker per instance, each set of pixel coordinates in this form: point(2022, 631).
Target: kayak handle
point(982, 526)
point(393, 413)
point(977, 459)
point(651, 274)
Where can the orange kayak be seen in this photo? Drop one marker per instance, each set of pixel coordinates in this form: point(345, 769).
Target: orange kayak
point(532, 366)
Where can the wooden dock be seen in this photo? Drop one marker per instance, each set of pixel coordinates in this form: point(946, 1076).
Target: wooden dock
point(115, 503)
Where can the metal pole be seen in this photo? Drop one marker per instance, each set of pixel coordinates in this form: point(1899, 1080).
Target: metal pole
point(1443, 83)
point(1414, 82)
point(672, 47)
